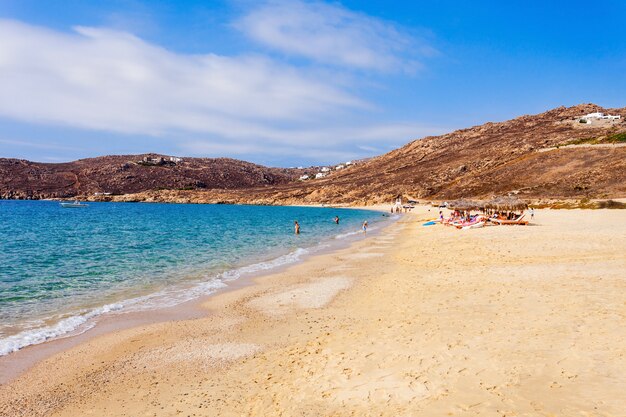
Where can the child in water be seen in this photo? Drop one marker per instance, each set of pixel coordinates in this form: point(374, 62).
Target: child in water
point(365, 226)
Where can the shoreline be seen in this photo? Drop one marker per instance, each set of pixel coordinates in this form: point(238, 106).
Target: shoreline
point(417, 321)
point(16, 363)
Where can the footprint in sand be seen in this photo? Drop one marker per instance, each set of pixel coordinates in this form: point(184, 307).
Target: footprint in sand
point(377, 247)
point(363, 255)
point(196, 352)
point(376, 385)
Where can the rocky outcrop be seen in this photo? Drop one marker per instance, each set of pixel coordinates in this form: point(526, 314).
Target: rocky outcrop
point(128, 174)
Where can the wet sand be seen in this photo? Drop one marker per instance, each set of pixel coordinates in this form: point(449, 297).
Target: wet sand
point(419, 321)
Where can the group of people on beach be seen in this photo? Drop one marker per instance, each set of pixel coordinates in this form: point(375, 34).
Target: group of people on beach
point(336, 220)
point(399, 209)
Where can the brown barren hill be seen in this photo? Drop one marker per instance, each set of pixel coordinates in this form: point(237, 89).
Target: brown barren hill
point(548, 155)
point(524, 155)
point(128, 174)
point(532, 156)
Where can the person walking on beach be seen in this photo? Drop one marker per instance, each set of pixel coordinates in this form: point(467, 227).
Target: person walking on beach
point(532, 213)
point(297, 227)
point(365, 226)
point(336, 219)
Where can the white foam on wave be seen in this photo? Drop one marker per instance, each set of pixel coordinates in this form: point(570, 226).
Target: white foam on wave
point(179, 294)
point(289, 258)
point(355, 232)
point(70, 324)
point(348, 234)
point(170, 297)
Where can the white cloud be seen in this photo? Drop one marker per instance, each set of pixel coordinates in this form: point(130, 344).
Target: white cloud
point(310, 154)
point(328, 136)
point(323, 144)
point(27, 144)
point(111, 81)
point(114, 81)
point(332, 34)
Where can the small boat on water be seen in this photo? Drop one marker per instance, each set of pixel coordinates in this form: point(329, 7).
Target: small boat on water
point(75, 204)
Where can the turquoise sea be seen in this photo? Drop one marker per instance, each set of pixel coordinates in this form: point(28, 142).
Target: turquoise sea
point(61, 268)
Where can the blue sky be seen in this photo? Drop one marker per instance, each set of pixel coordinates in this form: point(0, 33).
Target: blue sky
point(288, 83)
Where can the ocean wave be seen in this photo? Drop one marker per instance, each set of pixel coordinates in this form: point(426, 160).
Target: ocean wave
point(264, 266)
point(170, 297)
point(357, 232)
point(348, 234)
point(70, 324)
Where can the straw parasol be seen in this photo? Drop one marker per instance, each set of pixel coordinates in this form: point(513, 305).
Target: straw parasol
point(508, 203)
point(465, 205)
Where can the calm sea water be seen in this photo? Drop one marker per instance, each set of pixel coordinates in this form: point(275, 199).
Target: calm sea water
point(60, 268)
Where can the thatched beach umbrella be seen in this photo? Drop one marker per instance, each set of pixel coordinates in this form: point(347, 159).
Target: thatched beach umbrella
point(480, 204)
point(508, 203)
point(465, 205)
point(457, 204)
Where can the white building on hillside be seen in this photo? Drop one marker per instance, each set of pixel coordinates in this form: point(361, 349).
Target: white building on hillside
point(338, 167)
point(304, 177)
point(325, 169)
point(320, 175)
point(600, 116)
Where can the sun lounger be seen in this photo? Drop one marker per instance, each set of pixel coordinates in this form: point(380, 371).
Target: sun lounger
point(520, 221)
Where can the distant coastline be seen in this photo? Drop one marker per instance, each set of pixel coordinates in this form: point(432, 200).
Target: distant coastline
point(542, 157)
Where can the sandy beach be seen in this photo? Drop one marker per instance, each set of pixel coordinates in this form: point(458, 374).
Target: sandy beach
point(414, 321)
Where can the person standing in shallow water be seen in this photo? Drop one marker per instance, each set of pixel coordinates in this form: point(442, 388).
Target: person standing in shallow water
point(365, 226)
point(297, 227)
point(336, 219)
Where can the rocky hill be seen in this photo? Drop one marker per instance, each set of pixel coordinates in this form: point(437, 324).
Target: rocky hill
point(530, 156)
point(549, 155)
point(127, 174)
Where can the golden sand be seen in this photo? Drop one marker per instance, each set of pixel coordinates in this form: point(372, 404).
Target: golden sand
point(417, 321)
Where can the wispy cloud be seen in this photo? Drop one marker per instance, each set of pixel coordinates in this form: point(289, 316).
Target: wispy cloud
point(323, 144)
point(310, 154)
point(114, 81)
point(28, 144)
point(111, 81)
point(332, 34)
point(329, 137)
